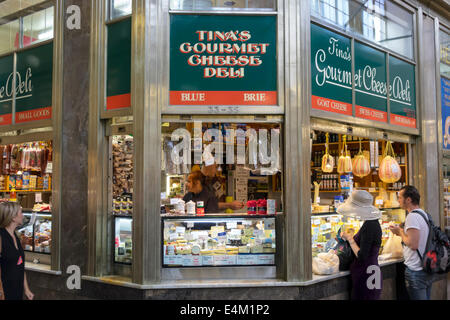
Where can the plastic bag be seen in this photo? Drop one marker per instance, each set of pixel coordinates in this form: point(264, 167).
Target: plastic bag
point(325, 263)
point(393, 246)
point(344, 252)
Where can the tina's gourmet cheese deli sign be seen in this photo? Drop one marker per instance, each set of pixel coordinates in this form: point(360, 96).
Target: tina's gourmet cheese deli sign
point(332, 80)
point(223, 60)
point(31, 82)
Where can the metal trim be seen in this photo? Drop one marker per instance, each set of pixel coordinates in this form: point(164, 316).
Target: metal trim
point(57, 123)
point(225, 118)
point(30, 137)
point(223, 12)
point(24, 126)
point(118, 19)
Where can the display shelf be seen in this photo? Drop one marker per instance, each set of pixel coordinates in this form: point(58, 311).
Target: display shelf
point(27, 191)
point(230, 215)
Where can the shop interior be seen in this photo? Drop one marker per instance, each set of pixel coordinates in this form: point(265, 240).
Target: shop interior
point(343, 163)
point(26, 178)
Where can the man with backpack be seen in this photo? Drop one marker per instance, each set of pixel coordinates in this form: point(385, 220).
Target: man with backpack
point(414, 239)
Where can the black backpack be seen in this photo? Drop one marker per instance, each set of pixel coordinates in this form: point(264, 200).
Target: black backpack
point(436, 255)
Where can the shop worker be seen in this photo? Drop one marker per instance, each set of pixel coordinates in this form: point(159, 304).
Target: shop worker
point(13, 282)
point(197, 191)
point(209, 170)
point(414, 236)
point(365, 245)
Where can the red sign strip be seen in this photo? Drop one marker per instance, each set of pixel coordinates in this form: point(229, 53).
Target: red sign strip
point(223, 97)
point(5, 119)
point(332, 105)
point(118, 102)
point(33, 115)
point(403, 121)
point(371, 114)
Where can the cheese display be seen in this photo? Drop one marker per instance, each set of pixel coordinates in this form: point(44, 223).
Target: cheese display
point(390, 171)
point(219, 242)
point(123, 243)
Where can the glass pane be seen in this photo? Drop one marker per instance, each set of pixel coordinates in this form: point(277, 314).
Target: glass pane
point(231, 167)
point(380, 21)
point(444, 39)
point(9, 36)
point(120, 8)
point(222, 4)
point(38, 27)
point(8, 7)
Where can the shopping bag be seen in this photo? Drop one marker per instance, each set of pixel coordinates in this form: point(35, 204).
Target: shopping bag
point(325, 263)
point(393, 246)
point(344, 252)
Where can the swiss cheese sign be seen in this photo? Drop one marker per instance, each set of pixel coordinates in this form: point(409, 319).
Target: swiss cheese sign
point(223, 60)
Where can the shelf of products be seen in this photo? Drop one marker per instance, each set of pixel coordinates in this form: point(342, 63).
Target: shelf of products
point(218, 241)
point(122, 175)
point(36, 233)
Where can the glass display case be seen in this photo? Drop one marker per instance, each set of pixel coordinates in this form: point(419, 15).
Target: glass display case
point(123, 243)
point(324, 227)
point(36, 233)
point(215, 240)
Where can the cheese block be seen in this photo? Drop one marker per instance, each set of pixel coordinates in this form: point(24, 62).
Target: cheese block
point(244, 249)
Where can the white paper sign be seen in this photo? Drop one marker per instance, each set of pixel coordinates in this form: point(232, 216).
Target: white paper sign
point(38, 197)
point(208, 260)
point(266, 259)
point(224, 260)
point(174, 201)
point(247, 259)
point(180, 229)
point(231, 225)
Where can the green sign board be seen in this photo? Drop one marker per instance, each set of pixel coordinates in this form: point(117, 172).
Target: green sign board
point(6, 89)
point(370, 83)
point(118, 78)
point(331, 71)
point(34, 77)
point(402, 92)
point(223, 60)
point(332, 80)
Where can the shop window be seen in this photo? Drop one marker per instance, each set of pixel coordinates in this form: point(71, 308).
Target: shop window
point(119, 8)
point(329, 188)
point(444, 39)
point(122, 149)
point(380, 21)
point(221, 192)
point(9, 36)
point(26, 178)
point(187, 5)
point(38, 27)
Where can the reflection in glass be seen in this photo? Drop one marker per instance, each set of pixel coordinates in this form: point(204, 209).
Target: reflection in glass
point(222, 4)
point(120, 8)
point(9, 36)
point(444, 39)
point(38, 27)
point(380, 21)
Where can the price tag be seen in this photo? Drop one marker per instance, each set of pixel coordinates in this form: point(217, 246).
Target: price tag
point(188, 261)
point(266, 259)
point(38, 197)
point(173, 236)
point(247, 260)
point(316, 222)
point(225, 260)
point(49, 167)
point(190, 224)
point(180, 230)
point(207, 260)
point(174, 201)
point(379, 201)
point(231, 225)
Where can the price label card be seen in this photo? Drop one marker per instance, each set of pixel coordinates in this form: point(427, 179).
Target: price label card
point(173, 236)
point(207, 260)
point(224, 260)
point(190, 224)
point(316, 222)
point(174, 201)
point(379, 201)
point(247, 260)
point(180, 230)
point(49, 167)
point(231, 225)
point(247, 223)
point(38, 197)
point(266, 259)
point(188, 260)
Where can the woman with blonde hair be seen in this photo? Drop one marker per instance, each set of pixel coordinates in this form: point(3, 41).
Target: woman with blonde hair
point(12, 258)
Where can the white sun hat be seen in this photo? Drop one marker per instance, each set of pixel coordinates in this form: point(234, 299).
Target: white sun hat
point(359, 205)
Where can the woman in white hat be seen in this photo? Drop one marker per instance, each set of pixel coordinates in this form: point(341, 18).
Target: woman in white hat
point(365, 244)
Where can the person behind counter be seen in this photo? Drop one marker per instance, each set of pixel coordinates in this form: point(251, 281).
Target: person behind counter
point(13, 280)
point(199, 192)
point(365, 244)
point(210, 173)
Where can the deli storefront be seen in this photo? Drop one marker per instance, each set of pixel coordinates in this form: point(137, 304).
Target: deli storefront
point(253, 96)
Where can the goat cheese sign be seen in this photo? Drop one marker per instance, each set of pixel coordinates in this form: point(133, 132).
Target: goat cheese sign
point(226, 60)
